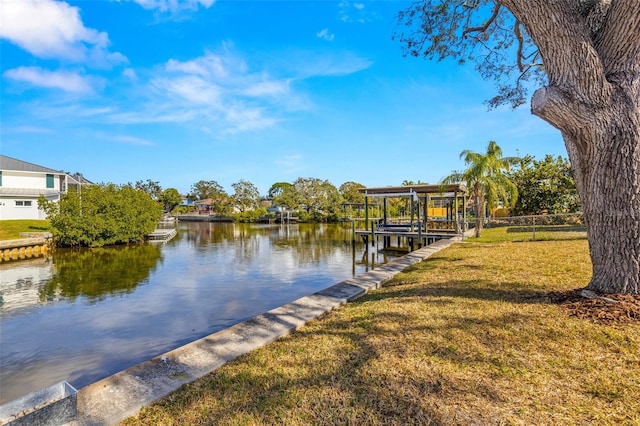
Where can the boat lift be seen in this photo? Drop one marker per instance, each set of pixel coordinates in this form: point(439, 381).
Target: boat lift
point(415, 230)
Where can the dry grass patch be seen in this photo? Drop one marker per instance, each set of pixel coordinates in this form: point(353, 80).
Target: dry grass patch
point(467, 337)
point(532, 233)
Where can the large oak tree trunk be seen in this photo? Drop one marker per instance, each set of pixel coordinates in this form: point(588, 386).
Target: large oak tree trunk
point(603, 143)
point(608, 180)
point(592, 59)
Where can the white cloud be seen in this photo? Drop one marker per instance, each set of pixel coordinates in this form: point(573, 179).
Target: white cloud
point(28, 129)
point(334, 64)
point(223, 90)
point(354, 12)
point(54, 29)
point(123, 139)
point(290, 164)
point(174, 5)
point(36, 76)
point(62, 110)
point(268, 88)
point(192, 89)
point(325, 35)
point(130, 74)
point(220, 88)
point(231, 93)
point(210, 65)
point(131, 140)
point(86, 111)
point(155, 114)
point(247, 119)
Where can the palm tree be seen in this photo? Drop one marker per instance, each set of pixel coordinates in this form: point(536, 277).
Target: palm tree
point(486, 180)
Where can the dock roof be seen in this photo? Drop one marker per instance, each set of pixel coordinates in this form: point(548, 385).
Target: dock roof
point(390, 191)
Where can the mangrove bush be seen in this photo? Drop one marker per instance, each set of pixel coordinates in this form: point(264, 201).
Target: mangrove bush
point(100, 215)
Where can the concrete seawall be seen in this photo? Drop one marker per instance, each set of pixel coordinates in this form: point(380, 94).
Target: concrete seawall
point(114, 398)
point(32, 244)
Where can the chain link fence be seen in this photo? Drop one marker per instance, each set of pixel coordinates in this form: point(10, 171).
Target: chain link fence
point(540, 227)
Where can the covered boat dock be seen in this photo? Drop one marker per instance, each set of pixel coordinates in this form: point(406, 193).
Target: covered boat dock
point(435, 212)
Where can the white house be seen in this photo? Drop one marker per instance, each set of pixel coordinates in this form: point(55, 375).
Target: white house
point(22, 183)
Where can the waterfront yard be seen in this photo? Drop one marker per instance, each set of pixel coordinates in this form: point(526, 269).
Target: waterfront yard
point(11, 229)
point(473, 336)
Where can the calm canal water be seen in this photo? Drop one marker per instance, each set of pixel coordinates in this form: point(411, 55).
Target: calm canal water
point(83, 315)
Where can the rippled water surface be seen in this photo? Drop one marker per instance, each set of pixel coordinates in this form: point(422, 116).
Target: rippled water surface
point(85, 314)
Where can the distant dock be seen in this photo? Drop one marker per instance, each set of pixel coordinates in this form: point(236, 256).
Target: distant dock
point(161, 235)
point(202, 218)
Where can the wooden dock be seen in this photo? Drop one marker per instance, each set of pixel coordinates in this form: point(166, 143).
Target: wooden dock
point(436, 212)
point(405, 239)
point(161, 235)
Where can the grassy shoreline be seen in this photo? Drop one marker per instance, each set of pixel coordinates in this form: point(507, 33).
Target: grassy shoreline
point(11, 229)
point(466, 337)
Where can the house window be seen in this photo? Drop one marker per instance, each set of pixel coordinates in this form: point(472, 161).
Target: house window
point(0, 178)
point(49, 181)
point(23, 203)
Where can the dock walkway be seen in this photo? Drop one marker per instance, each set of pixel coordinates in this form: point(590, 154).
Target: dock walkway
point(412, 237)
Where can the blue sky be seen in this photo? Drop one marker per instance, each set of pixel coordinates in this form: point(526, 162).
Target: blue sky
point(265, 91)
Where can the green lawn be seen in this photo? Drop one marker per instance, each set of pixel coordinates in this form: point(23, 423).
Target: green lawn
point(521, 233)
point(468, 337)
point(11, 229)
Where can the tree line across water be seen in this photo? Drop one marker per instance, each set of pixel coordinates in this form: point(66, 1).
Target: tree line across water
point(105, 214)
point(523, 184)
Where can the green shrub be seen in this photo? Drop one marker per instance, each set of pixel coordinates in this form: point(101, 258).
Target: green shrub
point(102, 215)
point(250, 216)
point(181, 210)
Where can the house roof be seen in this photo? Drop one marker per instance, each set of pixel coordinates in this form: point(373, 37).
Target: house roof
point(73, 180)
point(205, 202)
point(8, 163)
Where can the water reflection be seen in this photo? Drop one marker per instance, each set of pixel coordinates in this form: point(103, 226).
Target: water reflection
point(21, 281)
point(86, 314)
point(92, 273)
point(95, 273)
